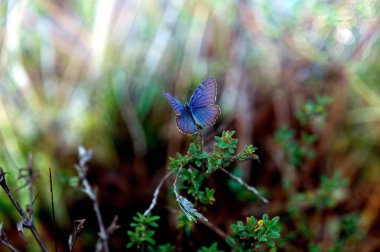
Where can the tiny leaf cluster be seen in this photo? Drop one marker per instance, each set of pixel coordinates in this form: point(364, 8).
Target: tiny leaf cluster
point(143, 232)
point(297, 146)
point(251, 236)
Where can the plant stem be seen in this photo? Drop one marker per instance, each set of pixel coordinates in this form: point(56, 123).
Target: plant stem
point(102, 231)
point(201, 139)
point(175, 184)
point(9, 246)
point(26, 221)
point(37, 237)
point(4, 240)
point(214, 228)
point(84, 157)
point(156, 192)
point(248, 187)
point(78, 226)
point(53, 210)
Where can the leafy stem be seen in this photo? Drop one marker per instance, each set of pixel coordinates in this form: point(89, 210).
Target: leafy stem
point(186, 206)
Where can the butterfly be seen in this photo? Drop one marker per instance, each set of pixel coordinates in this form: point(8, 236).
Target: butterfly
point(200, 112)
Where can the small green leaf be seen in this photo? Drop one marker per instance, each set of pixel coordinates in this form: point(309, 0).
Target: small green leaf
point(274, 235)
point(153, 224)
point(198, 163)
point(274, 221)
point(151, 241)
point(265, 218)
point(270, 243)
point(74, 181)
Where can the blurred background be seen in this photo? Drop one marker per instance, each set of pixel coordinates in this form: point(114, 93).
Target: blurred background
point(92, 73)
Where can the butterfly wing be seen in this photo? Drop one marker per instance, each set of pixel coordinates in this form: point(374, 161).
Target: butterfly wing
point(205, 116)
point(186, 124)
point(177, 106)
point(205, 94)
point(203, 110)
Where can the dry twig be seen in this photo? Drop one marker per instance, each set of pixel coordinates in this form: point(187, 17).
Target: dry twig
point(27, 216)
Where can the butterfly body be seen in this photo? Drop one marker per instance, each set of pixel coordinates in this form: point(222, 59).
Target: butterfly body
point(200, 112)
point(188, 110)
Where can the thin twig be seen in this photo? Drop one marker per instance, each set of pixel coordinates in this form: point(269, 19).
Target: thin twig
point(4, 240)
point(102, 231)
point(9, 246)
point(110, 230)
point(156, 192)
point(27, 219)
point(29, 180)
point(84, 157)
point(78, 226)
point(113, 226)
point(248, 187)
point(53, 210)
point(29, 209)
point(175, 184)
point(208, 224)
point(214, 228)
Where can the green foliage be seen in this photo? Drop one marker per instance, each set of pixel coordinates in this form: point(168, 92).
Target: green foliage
point(176, 164)
point(167, 247)
point(191, 171)
point(212, 248)
point(295, 151)
point(314, 112)
point(254, 233)
point(248, 153)
point(143, 233)
point(348, 228)
point(330, 191)
point(313, 247)
point(192, 180)
point(222, 155)
point(196, 165)
point(184, 223)
point(224, 150)
point(327, 195)
point(349, 225)
point(199, 158)
point(297, 146)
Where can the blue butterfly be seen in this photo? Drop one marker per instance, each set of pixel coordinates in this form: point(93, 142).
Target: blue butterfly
point(200, 112)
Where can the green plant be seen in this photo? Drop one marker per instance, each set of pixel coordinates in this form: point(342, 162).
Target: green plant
point(295, 150)
point(314, 112)
point(298, 148)
point(142, 236)
point(297, 145)
point(254, 233)
point(212, 248)
point(327, 195)
point(191, 171)
point(167, 247)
